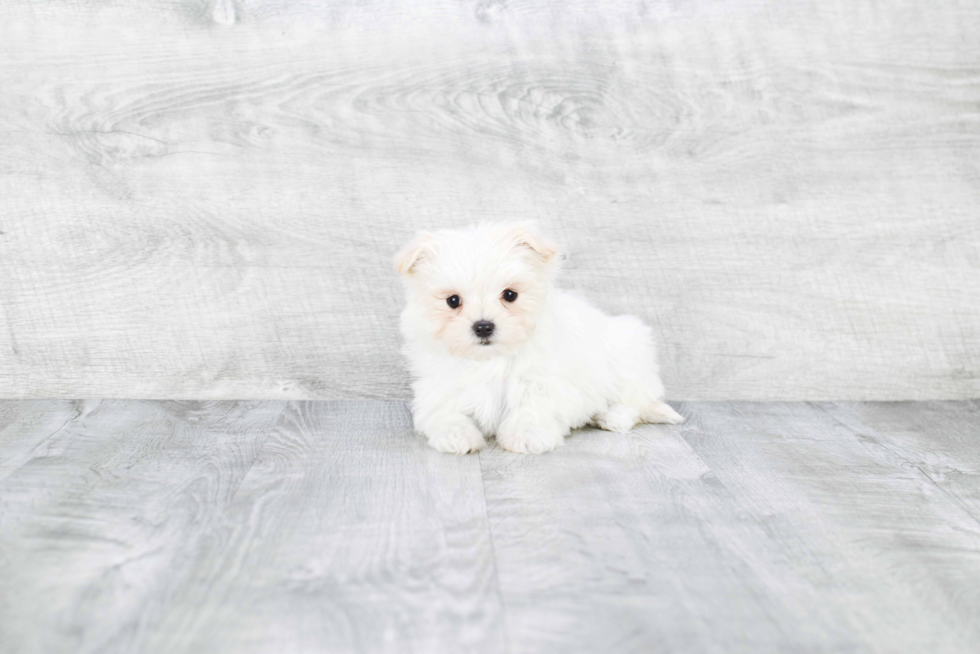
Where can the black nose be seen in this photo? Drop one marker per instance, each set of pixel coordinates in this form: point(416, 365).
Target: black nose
point(483, 328)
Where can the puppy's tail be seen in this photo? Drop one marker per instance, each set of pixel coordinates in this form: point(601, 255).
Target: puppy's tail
point(660, 412)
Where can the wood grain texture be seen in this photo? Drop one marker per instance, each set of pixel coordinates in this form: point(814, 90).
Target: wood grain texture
point(935, 442)
point(347, 535)
point(99, 524)
point(200, 199)
point(629, 543)
point(239, 527)
point(329, 527)
point(886, 550)
point(755, 528)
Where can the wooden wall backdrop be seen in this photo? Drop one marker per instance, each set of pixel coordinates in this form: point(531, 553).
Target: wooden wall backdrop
point(200, 199)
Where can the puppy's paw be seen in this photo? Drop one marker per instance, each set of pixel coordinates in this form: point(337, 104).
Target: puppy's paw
point(618, 418)
point(660, 412)
point(458, 439)
point(530, 439)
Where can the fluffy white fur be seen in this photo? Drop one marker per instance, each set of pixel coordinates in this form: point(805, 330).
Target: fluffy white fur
point(554, 361)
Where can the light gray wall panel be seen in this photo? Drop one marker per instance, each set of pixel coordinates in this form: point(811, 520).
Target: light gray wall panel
point(200, 200)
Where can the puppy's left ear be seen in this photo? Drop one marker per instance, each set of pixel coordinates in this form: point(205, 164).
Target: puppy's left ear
point(527, 235)
point(413, 252)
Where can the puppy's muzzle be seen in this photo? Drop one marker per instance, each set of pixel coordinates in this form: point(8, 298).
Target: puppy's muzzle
point(483, 330)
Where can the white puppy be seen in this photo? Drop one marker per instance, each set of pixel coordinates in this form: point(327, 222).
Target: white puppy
point(495, 348)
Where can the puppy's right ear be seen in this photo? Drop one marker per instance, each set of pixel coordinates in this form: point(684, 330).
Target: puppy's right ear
point(413, 252)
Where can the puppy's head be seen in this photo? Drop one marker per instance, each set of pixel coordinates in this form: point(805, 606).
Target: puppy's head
point(477, 291)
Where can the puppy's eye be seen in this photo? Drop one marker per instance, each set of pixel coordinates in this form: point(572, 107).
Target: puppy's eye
point(453, 301)
point(509, 295)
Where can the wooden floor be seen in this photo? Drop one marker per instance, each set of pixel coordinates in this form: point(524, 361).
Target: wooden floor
point(139, 526)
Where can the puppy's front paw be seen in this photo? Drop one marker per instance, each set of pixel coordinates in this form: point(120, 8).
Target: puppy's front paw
point(529, 439)
point(457, 439)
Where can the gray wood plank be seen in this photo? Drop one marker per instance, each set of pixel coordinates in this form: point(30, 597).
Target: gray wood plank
point(199, 200)
point(181, 527)
point(348, 534)
point(27, 426)
point(99, 524)
point(626, 543)
point(754, 527)
point(939, 442)
point(892, 556)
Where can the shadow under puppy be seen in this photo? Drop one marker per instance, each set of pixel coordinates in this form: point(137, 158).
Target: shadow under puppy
point(495, 348)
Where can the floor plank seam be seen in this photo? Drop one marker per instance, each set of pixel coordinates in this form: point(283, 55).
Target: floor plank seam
point(47, 439)
point(493, 557)
point(953, 499)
